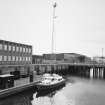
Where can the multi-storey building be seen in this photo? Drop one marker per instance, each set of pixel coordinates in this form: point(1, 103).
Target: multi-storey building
point(14, 55)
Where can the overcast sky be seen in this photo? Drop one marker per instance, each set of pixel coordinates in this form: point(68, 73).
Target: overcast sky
point(79, 26)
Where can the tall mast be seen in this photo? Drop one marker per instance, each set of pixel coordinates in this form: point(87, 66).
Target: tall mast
point(53, 26)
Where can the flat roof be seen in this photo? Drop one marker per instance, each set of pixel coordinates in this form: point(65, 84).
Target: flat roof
point(6, 75)
point(15, 43)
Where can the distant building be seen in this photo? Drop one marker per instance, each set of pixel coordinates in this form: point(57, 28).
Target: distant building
point(68, 57)
point(13, 54)
point(37, 59)
point(99, 59)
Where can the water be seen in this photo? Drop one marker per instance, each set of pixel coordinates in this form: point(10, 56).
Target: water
point(78, 91)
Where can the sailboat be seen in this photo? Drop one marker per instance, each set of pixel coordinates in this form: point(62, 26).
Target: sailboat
point(51, 81)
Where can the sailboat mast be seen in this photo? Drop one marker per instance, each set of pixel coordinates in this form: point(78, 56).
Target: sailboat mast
point(53, 27)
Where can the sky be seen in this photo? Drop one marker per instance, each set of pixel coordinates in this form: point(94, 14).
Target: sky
point(79, 25)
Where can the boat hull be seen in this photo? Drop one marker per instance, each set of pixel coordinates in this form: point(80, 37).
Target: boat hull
point(41, 87)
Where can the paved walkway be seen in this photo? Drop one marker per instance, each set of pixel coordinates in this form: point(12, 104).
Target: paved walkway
point(23, 81)
point(19, 85)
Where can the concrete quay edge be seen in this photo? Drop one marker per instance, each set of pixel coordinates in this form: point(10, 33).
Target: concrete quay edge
point(6, 92)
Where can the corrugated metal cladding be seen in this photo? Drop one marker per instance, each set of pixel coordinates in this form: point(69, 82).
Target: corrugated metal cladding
point(15, 53)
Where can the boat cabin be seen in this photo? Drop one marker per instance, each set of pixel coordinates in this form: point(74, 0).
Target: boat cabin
point(6, 81)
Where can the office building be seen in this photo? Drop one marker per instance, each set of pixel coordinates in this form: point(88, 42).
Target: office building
point(14, 56)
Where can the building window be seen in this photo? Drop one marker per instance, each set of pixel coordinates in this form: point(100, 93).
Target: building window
point(9, 58)
point(24, 49)
point(1, 58)
point(20, 49)
point(5, 47)
point(17, 48)
point(1, 46)
point(26, 58)
point(5, 58)
point(20, 58)
point(30, 50)
point(9, 47)
point(13, 58)
point(16, 58)
point(29, 58)
point(13, 48)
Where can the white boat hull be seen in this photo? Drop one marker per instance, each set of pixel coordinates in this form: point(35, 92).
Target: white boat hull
point(41, 87)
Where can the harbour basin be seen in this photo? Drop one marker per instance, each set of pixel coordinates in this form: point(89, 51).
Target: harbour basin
point(77, 91)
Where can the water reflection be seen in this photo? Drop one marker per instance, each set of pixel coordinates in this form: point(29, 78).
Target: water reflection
point(22, 98)
point(31, 97)
point(45, 93)
point(77, 91)
point(49, 93)
point(46, 97)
